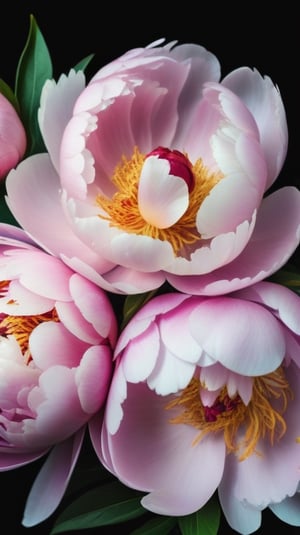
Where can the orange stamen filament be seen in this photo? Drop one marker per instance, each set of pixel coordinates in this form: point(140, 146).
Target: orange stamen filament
point(122, 209)
point(21, 327)
point(259, 419)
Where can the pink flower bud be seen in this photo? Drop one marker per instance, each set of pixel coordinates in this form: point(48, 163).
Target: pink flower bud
point(12, 137)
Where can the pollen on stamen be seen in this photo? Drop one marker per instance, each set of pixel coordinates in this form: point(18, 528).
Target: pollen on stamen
point(260, 419)
point(122, 210)
point(21, 327)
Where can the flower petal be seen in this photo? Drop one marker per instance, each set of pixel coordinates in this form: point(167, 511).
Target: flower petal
point(241, 335)
point(52, 481)
point(162, 198)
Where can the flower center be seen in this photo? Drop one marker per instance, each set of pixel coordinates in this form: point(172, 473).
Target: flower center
point(123, 210)
point(180, 165)
point(22, 326)
point(242, 425)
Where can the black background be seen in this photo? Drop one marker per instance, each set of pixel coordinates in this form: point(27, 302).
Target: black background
point(238, 33)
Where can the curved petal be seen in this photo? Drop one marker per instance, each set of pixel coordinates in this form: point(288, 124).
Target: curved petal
point(242, 517)
point(175, 334)
point(274, 473)
point(241, 335)
point(271, 245)
point(56, 107)
point(288, 510)
point(52, 232)
point(52, 481)
point(52, 344)
point(264, 101)
point(41, 274)
point(281, 299)
point(93, 378)
point(136, 368)
point(170, 374)
point(18, 301)
point(236, 196)
point(172, 474)
point(162, 198)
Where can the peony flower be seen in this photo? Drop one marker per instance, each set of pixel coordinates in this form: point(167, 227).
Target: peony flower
point(205, 397)
point(12, 137)
point(57, 331)
point(158, 171)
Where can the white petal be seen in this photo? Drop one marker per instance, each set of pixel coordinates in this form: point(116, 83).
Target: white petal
point(162, 198)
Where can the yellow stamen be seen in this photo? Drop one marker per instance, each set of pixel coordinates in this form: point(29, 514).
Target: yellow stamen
point(258, 419)
point(3, 287)
point(122, 209)
point(22, 326)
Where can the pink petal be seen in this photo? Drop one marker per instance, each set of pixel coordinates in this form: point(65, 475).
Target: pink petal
point(20, 301)
point(175, 334)
point(52, 344)
point(268, 250)
point(272, 476)
point(241, 335)
point(93, 377)
point(45, 207)
point(10, 460)
point(57, 101)
point(140, 355)
point(50, 485)
point(162, 458)
point(264, 101)
point(236, 197)
point(282, 300)
point(94, 306)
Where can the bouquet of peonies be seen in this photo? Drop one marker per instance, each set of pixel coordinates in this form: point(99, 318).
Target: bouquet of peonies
point(150, 308)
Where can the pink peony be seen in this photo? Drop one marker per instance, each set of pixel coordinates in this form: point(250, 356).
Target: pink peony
point(12, 137)
point(158, 171)
point(57, 333)
point(206, 396)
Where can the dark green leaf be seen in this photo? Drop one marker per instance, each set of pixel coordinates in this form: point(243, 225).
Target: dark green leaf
point(287, 278)
point(9, 94)
point(111, 503)
point(82, 65)
point(133, 303)
point(34, 68)
point(159, 525)
point(206, 521)
point(5, 214)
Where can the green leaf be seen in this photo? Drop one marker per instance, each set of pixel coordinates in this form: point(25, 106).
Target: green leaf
point(5, 213)
point(9, 94)
point(290, 279)
point(111, 503)
point(82, 65)
point(206, 521)
point(159, 525)
point(34, 68)
point(133, 303)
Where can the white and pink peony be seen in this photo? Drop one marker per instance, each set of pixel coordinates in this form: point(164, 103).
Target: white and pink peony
point(205, 397)
point(57, 333)
point(157, 170)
